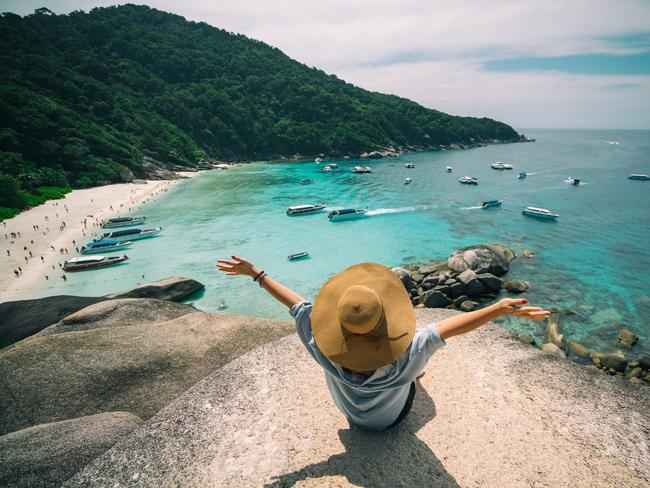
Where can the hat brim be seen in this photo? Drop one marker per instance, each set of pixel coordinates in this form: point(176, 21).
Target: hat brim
point(387, 342)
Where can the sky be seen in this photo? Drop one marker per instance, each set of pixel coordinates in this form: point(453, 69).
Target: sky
point(531, 64)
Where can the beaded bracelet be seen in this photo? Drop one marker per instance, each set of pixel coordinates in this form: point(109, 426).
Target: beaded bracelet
point(261, 280)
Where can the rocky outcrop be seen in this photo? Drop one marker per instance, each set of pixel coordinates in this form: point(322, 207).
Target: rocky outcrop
point(466, 276)
point(510, 416)
point(23, 318)
point(112, 358)
point(48, 454)
point(175, 288)
point(484, 258)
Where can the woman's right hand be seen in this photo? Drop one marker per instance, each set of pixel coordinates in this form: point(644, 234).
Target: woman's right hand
point(238, 266)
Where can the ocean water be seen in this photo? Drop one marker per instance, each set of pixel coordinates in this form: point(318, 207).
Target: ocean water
point(594, 261)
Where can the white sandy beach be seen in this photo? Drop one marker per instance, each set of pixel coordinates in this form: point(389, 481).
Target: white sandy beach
point(45, 243)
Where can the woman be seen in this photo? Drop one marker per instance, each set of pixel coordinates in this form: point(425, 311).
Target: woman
point(361, 330)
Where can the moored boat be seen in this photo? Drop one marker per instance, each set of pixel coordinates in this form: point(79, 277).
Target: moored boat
point(317, 160)
point(507, 166)
point(448, 169)
point(522, 175)
point(468, 180)
point(540, 213)
point(123, 222)
point(131, 234)
point(409, 165)
point(304, 209)
point(498, 165)
point(90, 262)
point(104, 247)
point(298, 255)
point(494, 203)
point(346, 214)
point(637, 176)
point(327, 168)
point(362, 169)
point(407, 181)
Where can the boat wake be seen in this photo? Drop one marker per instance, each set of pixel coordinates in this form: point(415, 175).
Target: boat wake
point(386, 211)
point(532, 174)
point(474, 207)
point(570, 182)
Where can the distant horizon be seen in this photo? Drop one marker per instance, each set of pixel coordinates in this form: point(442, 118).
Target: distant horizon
point(580, 65)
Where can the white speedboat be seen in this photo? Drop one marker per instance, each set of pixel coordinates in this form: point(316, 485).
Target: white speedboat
point(468, 180)
point(298, 255)
point(317, 160)
point(498, 165)
point(540, 213)
point(573, 181)
point(346, 214)
point(507, 166)
point(123, 222)
point(101, 247)
point(305, 209)
point(448, 169)
point(131, 234)
point(362, 169)
point(494, 203)
point(637, 176)
point(407, 181)
point(90, 262)
point(409, 165)
point(327, 168)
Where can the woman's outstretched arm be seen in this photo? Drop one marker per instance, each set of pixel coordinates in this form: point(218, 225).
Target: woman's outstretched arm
point(465, 322)
point(241, 266)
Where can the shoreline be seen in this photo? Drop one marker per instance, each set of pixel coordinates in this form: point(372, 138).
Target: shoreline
point(50, 235)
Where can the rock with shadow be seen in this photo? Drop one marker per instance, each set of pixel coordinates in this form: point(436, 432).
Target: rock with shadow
point(491, 412)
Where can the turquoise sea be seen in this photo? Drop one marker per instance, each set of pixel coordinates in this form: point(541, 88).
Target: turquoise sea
point(594, 261)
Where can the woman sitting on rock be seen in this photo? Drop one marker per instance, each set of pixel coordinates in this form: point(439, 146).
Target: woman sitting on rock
point(361, 330)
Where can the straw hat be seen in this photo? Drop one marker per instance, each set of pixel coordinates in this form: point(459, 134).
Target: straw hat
point(362, 317)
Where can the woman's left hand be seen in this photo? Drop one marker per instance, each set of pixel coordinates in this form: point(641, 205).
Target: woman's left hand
point(516, 308)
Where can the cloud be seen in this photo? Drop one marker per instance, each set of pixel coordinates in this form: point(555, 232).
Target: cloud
point(435, 52)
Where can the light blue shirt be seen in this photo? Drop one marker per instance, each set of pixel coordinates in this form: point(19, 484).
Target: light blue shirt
point(372, 402)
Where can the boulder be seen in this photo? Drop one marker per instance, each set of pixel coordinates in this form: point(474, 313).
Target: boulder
point(456, 290)
point(526, 339)
point(432, 278)
point(634, 373)
point(175, 288)
point(491, 282)
point(644, 362)
point(554, 333)
point(417, 276)
point(443, 289)
point(22, 318)
point(578, 349)
point(553, 350)
point(614, 360)
point(516, 286)
point(49, 454)
point(267, 419)
point(627, 338)
point(435, 299)
point(434, 267)
point(484, 258)
point(468, 306)
point(471, 283)
point(121, 364)
point(405, 276)
point(460, 300)
point(126, 175)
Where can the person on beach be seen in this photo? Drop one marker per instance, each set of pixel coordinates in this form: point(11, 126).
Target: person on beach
point(361, 331)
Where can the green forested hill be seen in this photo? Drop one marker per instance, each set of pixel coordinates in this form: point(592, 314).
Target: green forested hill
point(82, 96)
